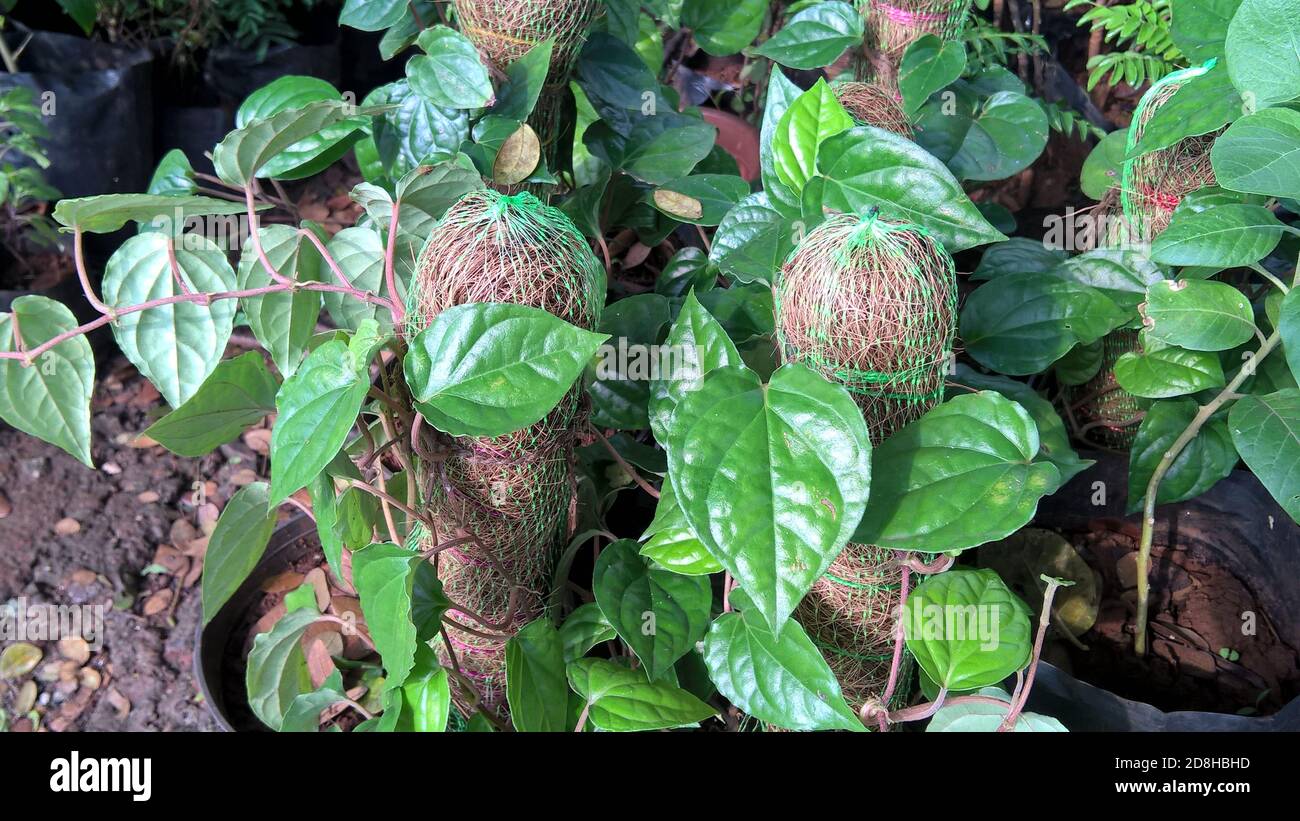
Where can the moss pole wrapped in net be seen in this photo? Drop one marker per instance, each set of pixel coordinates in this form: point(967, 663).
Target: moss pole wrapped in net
point(871, 304)
point(510, 494)
point(505, 30)
point(1154, 183)
point(1107, 414)
point(893, 25)
point(872, 104)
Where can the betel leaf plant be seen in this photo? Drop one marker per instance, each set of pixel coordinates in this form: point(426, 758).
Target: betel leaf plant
point(573, 496)
point(1195, 269)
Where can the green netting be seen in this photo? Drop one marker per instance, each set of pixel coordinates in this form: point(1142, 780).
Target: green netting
point(512, 493)
point(871, 304)
point(893, 25)
point(849, 615)
point(505, 30)
point(872, 104)
point(1154, 183)
point(1107, 414)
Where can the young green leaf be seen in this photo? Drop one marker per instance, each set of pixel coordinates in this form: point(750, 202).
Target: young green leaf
point(699, 345)
point(283, 322)
point(536, 687)
point(1198, 315)
point(277, 668)
point(488, 369)
point(175, 346)
point(623, 700)
point(813, 118)
point(426, 696)
point(384, 576)
point(317, 406)
point(772, 478)
point(776, 676)
point(962, 475)
point(50, 399)
point(1018, 255)
point(670, 542)
point(723, 28)
point(236, 545)
point(1162, 371)
point(658, 613)
point(1007, 134)
point(303, 715)
point(241, 156)
point(967, 629)
point(238, 393)
point(584, 628)
point(316, 152)
point(752, 240)
point(106, 213)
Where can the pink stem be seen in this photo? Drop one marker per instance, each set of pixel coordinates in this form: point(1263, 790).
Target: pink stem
point(390, 274)
point(176, 267)
point(898, 647)
point(275, 275)
point(1044, 618)
point(80, 261)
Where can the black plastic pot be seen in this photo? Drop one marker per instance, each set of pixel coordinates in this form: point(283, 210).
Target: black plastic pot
point(101, 128)
point(222, 685)
point(1245, 531)
point(235, 73)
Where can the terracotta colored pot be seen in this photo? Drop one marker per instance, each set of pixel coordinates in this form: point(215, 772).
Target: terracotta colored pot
point(738, 138)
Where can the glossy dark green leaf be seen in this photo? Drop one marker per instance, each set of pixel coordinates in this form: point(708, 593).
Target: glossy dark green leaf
point(1017, 255)
point(236, 545)
point(752, 240)
point(964, 474)
point(776, 676)
point(525, 78)
point(1288, 324)
point(316, 407)
point(658, 613)
point(623, 700)
point(1206, 459)
point(384, 576)
point(715, 195)
point(239, 393)
point(1123, 275)
point(928, 65)
point(781, 94)
point(536, 686)
point(414, 131)
point(866, 167)
point(488, 369)
point(1080, 364)
point(967, 629)
point(723, 28)
point(815, 36)
point(1201, 26)
point(175, 346)
point(371, 15)
point(1204, 102)
point(1021, 323)
point(772, 478)
point(1053, 439)
point(277, 668)
point(50, 399)
point(1198, 315)
point(687, 269)
point(450, 72)
point(621, 391)
point(1164, 371)
point(584, 628)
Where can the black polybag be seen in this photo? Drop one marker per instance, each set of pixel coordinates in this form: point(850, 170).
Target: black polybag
point(1244, 528)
